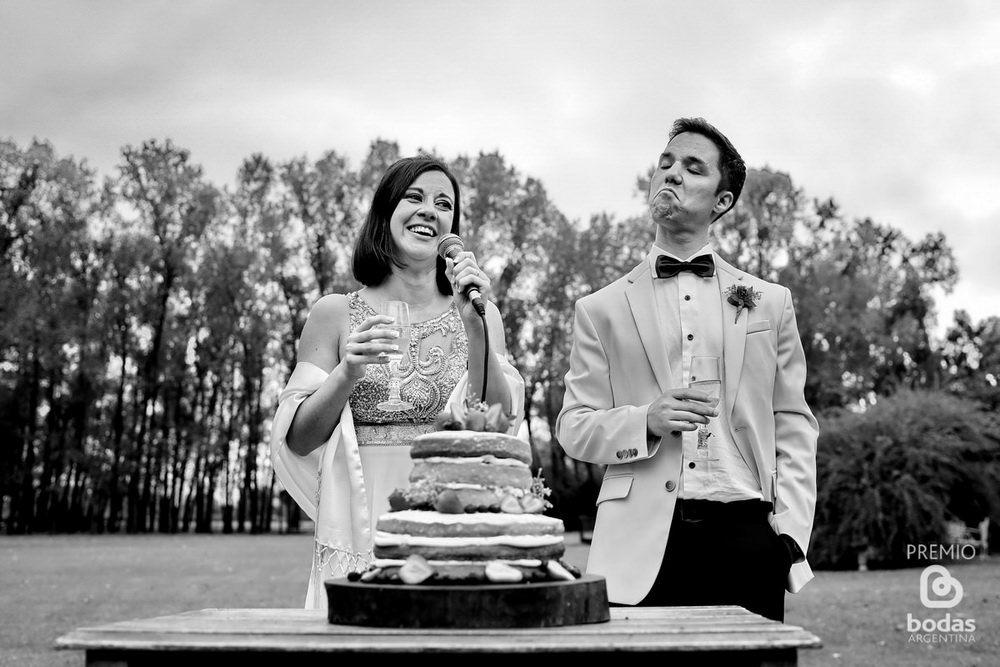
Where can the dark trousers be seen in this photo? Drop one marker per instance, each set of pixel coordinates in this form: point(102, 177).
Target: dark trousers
point(723, 554)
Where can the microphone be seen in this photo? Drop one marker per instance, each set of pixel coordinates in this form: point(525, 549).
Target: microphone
point(449, 246)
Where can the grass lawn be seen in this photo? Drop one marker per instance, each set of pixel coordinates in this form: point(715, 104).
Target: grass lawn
point(51, 585)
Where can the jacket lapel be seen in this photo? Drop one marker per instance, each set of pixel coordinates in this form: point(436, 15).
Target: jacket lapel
point(734, 335)
point(734, 338)
point(642, 303)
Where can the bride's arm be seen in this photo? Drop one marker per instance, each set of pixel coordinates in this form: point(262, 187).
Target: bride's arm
point(327, 327)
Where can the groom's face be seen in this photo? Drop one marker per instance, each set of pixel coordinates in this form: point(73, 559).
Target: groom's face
point(684, 187)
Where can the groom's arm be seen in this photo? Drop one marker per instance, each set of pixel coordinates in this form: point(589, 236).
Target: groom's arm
point(796, 433)
point(590, 427)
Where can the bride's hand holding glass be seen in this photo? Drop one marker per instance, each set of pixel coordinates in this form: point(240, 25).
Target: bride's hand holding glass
point(370, 343)
point(398, 313)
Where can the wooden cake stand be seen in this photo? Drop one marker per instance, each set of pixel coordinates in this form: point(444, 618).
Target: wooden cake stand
point(526, 605)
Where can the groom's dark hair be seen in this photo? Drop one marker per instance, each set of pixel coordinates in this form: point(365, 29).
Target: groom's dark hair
point(731, 166)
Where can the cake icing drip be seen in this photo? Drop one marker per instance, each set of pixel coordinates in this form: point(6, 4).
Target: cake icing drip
point(550, 524)
point(466, 460)
point(393, 539)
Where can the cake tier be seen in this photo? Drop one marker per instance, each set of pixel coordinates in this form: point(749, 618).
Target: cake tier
point(474, 471)
point(470, 443)
point(420, 524)
point(462, 550)
point(425, 495)
point(487, 573)
point(474, 536)
point(467, 570)
point(477, 497)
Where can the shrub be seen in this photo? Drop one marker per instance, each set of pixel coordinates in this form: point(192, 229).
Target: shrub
point(897, 473)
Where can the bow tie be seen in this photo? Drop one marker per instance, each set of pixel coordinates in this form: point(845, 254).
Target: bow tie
point(668, 267)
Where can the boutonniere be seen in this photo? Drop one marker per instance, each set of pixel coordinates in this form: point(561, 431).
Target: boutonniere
point(742, 296)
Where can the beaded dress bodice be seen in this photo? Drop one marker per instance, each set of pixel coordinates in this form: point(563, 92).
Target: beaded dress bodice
point(434, 362)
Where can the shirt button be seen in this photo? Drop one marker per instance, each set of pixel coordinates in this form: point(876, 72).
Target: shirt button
point(691, 465)
point(690, 336)
point(670, 485)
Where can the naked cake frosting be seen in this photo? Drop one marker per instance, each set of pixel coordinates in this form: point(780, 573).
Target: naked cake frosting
point(472, 512)
point(467, 543)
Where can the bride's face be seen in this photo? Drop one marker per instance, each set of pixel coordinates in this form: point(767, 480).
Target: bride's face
point(423, 215)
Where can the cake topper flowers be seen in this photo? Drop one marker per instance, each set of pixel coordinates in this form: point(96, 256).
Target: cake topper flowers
point(742, 296)
point(477, 416)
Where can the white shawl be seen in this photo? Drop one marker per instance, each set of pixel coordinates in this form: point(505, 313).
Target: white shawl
point(329, 484)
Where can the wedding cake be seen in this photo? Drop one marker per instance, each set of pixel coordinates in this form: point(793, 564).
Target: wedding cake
point(467, 542)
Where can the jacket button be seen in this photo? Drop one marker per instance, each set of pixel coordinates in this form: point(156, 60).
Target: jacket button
point(670, 485)
point(676, 434)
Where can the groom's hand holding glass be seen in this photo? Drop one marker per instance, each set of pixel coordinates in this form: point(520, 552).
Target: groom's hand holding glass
point(706, 377)
point(682, 409)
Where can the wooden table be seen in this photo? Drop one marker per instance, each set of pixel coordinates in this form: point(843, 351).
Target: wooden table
point(298, 637)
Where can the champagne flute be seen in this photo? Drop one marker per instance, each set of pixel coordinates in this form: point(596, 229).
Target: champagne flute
point(706, 377)
point(399, 311)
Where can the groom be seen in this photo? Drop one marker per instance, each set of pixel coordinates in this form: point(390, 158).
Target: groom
point(703, 502)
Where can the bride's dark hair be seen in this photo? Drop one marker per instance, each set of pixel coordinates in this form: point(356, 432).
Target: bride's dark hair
point(375, 251)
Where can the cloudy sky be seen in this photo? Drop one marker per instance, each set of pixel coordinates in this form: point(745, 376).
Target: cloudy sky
point(890, 107)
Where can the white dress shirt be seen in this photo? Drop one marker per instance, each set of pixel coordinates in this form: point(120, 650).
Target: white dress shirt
point(690, 315)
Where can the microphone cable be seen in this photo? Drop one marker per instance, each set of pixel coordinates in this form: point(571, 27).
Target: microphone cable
point(486, 354)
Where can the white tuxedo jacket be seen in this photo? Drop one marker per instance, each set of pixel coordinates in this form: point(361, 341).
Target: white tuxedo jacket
point(619, 365)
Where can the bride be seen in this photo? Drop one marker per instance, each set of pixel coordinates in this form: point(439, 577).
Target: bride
point(335, 451)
